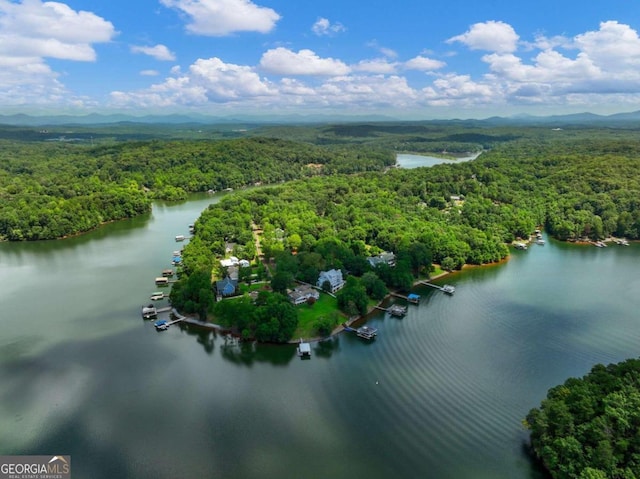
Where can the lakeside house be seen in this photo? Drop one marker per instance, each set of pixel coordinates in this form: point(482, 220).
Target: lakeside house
point(234, 261)
point(226, 287)
point(302, 294)
point(383, 258)
point(333, 277)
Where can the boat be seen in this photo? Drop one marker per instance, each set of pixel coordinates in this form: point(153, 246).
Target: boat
point(149, 312)
point(162, 281)
point(167, 273)
point(449, 289)
point(520, 245)
point(367, 332)
point(157, 296)
point(539, 241)
point(304, 349)
point(180, 238)
point(161, 325)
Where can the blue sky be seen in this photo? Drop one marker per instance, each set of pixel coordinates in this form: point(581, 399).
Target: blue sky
point(406, 58)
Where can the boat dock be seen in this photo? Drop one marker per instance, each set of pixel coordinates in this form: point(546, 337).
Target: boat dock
point(365, 332)
point(394, 310)
point(447, 288)
point(304, 349)
point(411, 298)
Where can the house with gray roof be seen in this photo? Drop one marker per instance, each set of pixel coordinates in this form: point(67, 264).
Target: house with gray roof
point(333, 277)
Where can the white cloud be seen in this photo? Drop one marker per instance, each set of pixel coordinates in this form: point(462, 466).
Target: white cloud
point(159, 52)
point(50, 29)
point(30, 32)
point(614, 47)
point(377, 65)
point(207, 81)
point(424, 64)
point(385, 51)
point(492, 36)
point(283, 61)
point(149, 73)
point(222, 17)
point(460, 89)
point(594, 68)
point(324, 27)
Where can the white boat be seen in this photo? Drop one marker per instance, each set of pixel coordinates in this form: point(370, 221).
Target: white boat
point(157, 296)
point(180, 238)
point(539, 241)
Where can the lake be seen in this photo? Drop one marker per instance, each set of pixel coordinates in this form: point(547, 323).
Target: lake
point(440, 393)
point(404, 160)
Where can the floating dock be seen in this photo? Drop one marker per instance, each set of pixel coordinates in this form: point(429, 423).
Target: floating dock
point(397, 310)
point(394, 310)
point(447, 288)
point(366, 332)
point(304, 350)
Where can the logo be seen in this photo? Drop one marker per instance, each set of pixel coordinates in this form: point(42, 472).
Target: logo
point(35, 467)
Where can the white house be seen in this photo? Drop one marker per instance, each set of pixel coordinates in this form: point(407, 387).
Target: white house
point(302, 294)
point(334, 277)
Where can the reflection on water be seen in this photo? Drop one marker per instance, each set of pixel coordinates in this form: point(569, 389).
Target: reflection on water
point(440, 393)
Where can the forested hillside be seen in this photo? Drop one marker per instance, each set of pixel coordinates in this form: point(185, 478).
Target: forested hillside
point(50, 190)
point(588, 428)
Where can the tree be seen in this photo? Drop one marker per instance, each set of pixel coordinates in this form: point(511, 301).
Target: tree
point(276, 320)
point(281, 281)
point(352, 298)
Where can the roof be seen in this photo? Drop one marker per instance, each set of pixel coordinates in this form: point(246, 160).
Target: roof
point(304, 348)
point(413, 296)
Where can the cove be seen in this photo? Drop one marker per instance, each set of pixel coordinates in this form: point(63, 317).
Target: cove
point(440, 393)
point(405, 160)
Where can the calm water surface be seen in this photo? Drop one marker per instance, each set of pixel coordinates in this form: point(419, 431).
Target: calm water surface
point(405, 160)
point(440, 394)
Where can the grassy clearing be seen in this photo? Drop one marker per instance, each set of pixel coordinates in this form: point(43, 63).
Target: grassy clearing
point(326, 306)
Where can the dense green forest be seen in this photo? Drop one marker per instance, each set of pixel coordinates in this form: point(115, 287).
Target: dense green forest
point(459, 213)
point(588, 428)
point(55, 189)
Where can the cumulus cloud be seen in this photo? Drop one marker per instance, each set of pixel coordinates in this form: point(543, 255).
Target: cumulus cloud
point(32, 31)
point(50, 29)
point(491, 36)
point(614, 47)
point(283, 61)
point(599, 66)
point(207, 81)
point(423, 64)
point(324, 27)
point(159, 52)
point(377, 65)
point(222, 17)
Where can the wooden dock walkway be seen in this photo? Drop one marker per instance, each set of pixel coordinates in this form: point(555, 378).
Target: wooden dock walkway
point(447, 288)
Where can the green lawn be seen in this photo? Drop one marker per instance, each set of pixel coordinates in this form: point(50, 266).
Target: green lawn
point(308, 315)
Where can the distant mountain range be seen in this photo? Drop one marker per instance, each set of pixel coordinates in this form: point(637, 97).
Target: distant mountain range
point(576, 119)
point(177, 119)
